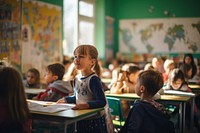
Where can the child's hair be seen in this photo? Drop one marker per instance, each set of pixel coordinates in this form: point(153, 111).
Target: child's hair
point(175, 75)
point(151, 80)
point(36, 73)
point(148, 66)
point(132, 69)
point(92, 52)
point(12, 94)
point(57, 69)
point(167, 63)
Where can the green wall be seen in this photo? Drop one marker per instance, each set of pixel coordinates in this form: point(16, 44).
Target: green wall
point(130, 9)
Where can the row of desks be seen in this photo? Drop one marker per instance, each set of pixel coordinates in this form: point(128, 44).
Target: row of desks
point(171, 99)
point(71, 116)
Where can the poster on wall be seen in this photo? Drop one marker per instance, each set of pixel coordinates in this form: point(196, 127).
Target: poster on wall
point(10, 46)
point(170, 35)
point(109, 38)
point(41, 34)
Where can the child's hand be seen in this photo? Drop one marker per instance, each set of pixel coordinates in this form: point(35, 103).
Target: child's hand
point(34, 98)
point(61, 100)
point(80, 106)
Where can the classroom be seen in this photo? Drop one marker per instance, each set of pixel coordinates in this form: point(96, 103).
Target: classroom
point(47, 38)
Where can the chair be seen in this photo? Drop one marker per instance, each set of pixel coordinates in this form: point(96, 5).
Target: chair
point(116, 112)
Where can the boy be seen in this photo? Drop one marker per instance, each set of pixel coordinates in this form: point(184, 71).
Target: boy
point(57, 88)
point(148, 116)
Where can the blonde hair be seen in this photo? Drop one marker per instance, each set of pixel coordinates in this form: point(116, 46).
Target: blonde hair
point(92, 52)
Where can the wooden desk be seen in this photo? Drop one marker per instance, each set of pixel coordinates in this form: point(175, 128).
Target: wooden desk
point(195, 88)
point(172, 99)
point(67, 116)
point(33, 90)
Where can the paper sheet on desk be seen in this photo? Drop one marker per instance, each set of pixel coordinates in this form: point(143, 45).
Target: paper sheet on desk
point(48, 107)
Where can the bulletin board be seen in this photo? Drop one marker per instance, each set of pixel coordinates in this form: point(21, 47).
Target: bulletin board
point(10, 45)
point(41, 34)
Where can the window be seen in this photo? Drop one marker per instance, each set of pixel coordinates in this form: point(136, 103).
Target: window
point(78, 24)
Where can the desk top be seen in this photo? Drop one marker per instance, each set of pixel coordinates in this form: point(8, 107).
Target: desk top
point(132, 96)
point(194, 86)
point(69, 113)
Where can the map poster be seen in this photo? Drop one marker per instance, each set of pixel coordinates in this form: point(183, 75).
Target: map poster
point(170, 35)
point(41, 34)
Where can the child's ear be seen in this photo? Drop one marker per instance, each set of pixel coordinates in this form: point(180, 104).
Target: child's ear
point(93, 61)
point(142, 89)
point(55, 77)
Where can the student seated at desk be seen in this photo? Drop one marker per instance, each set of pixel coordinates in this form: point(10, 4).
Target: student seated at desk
point(14, 112)
point(32, 80)
point(148, 116)
point(57, 88)
point(177, 82)
point(127, 78)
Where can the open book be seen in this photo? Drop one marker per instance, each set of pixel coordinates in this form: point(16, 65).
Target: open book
point(48, 107)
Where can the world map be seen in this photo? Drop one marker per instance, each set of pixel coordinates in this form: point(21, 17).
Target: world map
point(160, 35)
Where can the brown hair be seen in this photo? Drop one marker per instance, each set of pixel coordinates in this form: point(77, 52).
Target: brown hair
point(57, 69)
point(12, 94)
point(151, 80)
point(92, 52)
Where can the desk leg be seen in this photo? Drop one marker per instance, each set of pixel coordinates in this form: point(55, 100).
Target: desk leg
point(184, 112)
point(65, 130)
point(181, 116)
point(192, 116)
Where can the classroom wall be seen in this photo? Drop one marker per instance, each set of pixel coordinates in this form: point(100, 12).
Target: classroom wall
point(131, 9)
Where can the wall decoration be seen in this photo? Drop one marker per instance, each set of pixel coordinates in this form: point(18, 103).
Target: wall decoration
point(109, 36)
point(41, 34)
point(174, 35)
point(10, 47)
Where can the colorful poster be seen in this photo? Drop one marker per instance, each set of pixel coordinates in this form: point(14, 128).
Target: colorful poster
point(41, 34)
point(170, 35)
point(109, 54)
point(10, 44)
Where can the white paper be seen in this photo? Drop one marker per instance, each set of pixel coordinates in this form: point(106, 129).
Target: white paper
point(48, 107)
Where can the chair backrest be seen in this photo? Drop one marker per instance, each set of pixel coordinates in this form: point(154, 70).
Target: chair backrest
point(115, 107)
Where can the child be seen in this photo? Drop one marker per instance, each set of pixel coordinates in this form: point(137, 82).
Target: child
point(88, 92)
point(32, 78)
point(169, 65)
point(187, 71)
point(189, 59)
point(177, 81)
point(148, 116)
point(14, 112)
point(57, 88)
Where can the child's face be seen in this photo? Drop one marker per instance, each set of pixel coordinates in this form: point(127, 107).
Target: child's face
point(177, 84)
point(49, 77)
point(83, 62)
point(188, 60)
point(133, 77)
point(31, 78)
